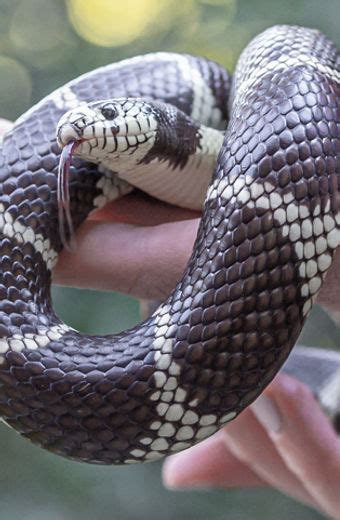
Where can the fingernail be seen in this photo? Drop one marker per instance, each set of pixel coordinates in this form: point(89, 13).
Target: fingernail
point(267, 414)
point(174, 472)
point(179, 474)
point(171, 472)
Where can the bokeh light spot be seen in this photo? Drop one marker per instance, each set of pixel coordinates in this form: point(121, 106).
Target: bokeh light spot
point(112, 23)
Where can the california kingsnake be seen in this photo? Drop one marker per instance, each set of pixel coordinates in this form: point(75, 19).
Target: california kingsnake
point(266, 240)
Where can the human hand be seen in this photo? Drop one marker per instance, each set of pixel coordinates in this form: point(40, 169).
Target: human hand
point(283, 441)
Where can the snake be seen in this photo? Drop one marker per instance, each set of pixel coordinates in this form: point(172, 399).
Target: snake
point(257, 152)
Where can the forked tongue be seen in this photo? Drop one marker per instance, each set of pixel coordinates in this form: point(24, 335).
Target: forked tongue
point(66, 229)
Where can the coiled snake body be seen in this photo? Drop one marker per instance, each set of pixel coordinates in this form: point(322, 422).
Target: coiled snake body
point(269, 230)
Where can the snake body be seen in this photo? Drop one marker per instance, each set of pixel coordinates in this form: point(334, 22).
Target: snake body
point(269, 229)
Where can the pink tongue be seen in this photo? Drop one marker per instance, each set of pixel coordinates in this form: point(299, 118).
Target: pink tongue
point(66, 229)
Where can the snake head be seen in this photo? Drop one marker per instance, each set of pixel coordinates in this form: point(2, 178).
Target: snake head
point(106, 128)
point(100, 132)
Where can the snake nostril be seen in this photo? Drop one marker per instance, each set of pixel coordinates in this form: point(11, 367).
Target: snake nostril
point(67, 133)
point(80, 123)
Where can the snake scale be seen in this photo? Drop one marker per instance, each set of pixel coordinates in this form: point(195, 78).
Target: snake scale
point(269, 229)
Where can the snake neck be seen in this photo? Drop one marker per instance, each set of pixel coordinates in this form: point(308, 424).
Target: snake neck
point(169, 181)
point(172, 160)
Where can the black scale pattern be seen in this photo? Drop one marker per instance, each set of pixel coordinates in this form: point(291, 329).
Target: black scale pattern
point(231, 322)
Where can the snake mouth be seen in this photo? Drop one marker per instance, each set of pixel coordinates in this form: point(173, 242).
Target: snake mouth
point(66, 229)
point(97, 147)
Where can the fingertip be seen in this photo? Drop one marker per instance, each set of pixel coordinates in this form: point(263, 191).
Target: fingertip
point(266, 411)
point(207, 465)
point(172, 473)
point(285, 392)
point(287, 384)
point(300, 411)
point(289, 391)
point(192, 467)
point(198, 466)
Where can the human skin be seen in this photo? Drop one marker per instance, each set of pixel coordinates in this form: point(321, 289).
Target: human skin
point(283, 440)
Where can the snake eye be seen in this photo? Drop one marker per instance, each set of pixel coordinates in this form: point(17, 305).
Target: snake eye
point(109, 111)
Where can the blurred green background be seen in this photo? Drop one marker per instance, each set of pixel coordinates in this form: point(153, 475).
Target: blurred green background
point(43, 44)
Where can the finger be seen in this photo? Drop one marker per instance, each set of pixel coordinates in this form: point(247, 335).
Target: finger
point(306, 441)
point(209, 464)
point(141, 209)
point(145, 262)
point(248, 441)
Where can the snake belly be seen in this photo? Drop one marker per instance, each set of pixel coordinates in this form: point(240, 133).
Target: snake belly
point(266, 240)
